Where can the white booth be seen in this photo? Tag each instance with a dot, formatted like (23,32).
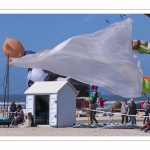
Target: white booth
(52,103)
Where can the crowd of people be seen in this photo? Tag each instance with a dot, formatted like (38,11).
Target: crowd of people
(18,117)
(129,110)
(14,109)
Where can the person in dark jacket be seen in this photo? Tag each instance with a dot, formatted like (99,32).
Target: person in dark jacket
(147,110)
(132,111)
(19,119)
(13,109)
(19,107)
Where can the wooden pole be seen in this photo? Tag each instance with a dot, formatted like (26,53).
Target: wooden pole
(87,99)
(88,116)
(5,85)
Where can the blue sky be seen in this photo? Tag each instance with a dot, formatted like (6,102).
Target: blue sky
(44,31)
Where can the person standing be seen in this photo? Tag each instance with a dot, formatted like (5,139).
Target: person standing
(110,115)
(86,104)
(124,111)
(93,98)
(101,103)
(132,111)
(13,108)
(147,110)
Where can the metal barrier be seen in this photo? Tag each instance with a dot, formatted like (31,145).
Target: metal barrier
(6,113)
(137,115)
(137,109)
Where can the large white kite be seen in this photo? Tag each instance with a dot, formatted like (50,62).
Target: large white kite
(102,58)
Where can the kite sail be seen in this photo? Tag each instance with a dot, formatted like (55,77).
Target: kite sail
(141,47)
(146,85)
(148,15)
(103,58)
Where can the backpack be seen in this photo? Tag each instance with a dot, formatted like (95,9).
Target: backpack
(92,96)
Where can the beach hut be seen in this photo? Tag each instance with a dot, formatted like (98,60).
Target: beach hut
(52,103)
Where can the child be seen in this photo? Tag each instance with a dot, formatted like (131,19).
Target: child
(101,103)
(28,121)
(110,115)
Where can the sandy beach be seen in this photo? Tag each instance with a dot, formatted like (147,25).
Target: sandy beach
(68,131)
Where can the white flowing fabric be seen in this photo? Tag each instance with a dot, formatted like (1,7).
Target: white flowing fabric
(103,58)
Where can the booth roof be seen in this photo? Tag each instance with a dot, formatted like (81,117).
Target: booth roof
(47,87)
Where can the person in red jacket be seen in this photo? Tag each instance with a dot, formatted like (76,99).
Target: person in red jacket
(86,105)
(101,103)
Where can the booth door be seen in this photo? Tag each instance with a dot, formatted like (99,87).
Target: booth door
(53,110)
(30,103)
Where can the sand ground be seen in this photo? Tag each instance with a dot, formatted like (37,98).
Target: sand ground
(68,131)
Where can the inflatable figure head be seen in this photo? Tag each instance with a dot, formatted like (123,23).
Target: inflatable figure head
(136,44)
(94,88)
(117,105)
(13,48)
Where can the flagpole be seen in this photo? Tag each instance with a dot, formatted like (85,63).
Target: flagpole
(5,85)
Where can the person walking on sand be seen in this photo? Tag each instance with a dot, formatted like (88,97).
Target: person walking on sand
(124,111)
(101,103)
(93,98)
